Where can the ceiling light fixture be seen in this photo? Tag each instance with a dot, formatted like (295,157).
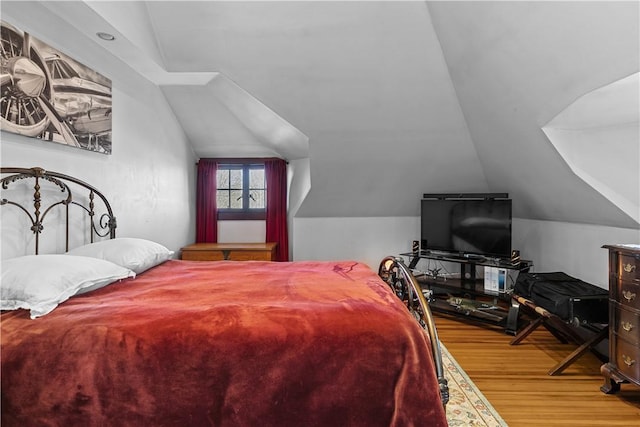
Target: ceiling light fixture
(106,36)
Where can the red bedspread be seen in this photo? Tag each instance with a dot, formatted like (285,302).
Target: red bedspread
(224,344)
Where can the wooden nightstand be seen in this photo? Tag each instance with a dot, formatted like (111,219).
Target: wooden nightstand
(230,251)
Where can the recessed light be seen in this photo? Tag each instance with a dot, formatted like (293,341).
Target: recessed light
(106,36)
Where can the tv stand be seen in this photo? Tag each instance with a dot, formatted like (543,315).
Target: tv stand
(463,295)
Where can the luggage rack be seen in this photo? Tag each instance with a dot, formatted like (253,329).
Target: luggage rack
(559,328)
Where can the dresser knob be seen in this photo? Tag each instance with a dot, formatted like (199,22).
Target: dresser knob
(627,360)
(626,326)
(629,268)
(628,295)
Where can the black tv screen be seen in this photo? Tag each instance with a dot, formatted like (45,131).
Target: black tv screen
(479,227)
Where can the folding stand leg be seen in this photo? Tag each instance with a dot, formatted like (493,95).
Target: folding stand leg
(588,345)
(527,330)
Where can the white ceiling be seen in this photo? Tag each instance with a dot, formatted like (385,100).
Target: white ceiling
(515,66)
(388,99)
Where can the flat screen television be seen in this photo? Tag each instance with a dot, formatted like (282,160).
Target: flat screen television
(480,227)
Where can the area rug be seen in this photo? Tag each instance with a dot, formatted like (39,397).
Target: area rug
(467,405)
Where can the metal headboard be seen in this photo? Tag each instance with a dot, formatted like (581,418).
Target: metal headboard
(104,226)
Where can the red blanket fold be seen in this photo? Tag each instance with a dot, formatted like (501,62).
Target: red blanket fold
(224,344)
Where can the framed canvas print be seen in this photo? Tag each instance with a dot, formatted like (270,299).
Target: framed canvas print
(46,94)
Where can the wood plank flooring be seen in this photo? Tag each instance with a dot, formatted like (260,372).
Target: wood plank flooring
(514,379)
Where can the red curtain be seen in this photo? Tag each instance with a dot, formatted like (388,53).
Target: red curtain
(276,219)
(206,221)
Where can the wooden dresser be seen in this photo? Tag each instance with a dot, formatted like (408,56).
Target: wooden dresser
(624,318)
(230,251)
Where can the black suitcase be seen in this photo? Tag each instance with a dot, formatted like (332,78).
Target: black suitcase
(569,298)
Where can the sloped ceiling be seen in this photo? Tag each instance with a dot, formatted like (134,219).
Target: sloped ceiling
(366,82)
(515,66)
(605,124)
(389,99)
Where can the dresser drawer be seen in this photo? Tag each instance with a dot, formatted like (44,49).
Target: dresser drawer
(250,256)
(628,294)
(627,324)
(629,267)
(230,255)
(627,359)
(230,252)
(202,255)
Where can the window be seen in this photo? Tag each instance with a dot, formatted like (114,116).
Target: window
(241,191)
(59,69)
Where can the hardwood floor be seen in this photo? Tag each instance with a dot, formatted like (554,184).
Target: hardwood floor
(514,379)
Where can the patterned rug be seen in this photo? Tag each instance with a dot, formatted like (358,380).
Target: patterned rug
(467,406)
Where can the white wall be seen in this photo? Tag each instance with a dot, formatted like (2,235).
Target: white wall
(150,177)
(552,246)
(366,240)
(575,249)
(241,231)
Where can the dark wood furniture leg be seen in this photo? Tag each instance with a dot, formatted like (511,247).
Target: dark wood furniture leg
(611,379)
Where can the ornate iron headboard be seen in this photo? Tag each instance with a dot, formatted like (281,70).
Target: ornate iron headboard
(104,226)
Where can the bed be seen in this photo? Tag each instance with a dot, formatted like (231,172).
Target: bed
(165,342)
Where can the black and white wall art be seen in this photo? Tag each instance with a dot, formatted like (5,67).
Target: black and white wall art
(46,94)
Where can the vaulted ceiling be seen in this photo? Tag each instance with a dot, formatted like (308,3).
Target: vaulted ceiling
(387,99)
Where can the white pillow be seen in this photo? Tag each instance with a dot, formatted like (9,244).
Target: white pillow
(40,282)
(135,254)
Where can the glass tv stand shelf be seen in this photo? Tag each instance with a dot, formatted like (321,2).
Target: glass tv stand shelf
(456,285)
